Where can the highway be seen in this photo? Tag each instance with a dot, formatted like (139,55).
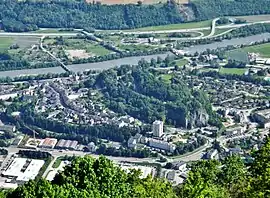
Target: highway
(213,28)
(229,26)
(35,34)
(196,30)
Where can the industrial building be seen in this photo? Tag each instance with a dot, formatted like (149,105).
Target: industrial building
(157,128)
(23,170)
(67,144)
(8,128)
(162,145)
(48,143)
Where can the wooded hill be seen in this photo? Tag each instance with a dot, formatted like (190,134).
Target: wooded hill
(30,15)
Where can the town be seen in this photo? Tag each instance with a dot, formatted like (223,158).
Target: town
(162,97)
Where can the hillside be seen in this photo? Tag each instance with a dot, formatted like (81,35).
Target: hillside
(208,9)
(23,16)
(142,94)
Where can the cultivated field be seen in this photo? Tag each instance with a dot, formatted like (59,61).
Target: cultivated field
(263,49)
(176,26)
(255,18)
(238,71)
(111,2)
(5,43)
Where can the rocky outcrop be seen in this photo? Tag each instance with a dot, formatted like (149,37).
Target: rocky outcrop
(199,118)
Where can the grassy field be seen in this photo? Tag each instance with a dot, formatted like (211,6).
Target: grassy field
(263,49)
(89,46)
(52,30)
(181,62)
(5,43)
(205,32)
(220,31)
(97,49)
(135,47)
(176,26)
(238,71)
(255,18)
(26,41)
(238,55)
(166,77)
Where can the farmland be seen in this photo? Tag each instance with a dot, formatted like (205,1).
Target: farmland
(200,24)
(263,49)
(238,71)
(255,18)
(5,43)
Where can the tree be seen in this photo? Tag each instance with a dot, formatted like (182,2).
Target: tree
(87,177)
(234,176)
(260,172)
(201,181)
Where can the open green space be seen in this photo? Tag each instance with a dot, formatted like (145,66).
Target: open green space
(5,43)
(97,49)
(238,71)
(220,31)
(90,46)
(262,49)
(52,30)
(255,18)
(138,47)
(205,32)
(238,55)
(166,77)
(207,69)
(181,62)
(176,26)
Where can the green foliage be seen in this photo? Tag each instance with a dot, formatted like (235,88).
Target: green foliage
(95,178)
(260,172)
(27,15)
(202,181)
(140,93)
(208,9)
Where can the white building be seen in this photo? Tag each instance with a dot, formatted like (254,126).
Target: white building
(162,145)
(235,130)
(92,147)
(23,169)
(158,128)
(132,143)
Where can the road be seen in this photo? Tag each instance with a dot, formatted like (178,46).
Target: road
(213,28)
(229,26)
(57,153)
(35,34)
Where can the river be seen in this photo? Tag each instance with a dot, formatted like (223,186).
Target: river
(82,67)
(135,59)
(235,41)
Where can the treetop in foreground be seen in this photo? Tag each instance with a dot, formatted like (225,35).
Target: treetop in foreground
(97,178)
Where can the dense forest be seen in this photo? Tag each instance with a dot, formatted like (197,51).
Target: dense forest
(140,93)
(29,15)
(209,9)
(100,178)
